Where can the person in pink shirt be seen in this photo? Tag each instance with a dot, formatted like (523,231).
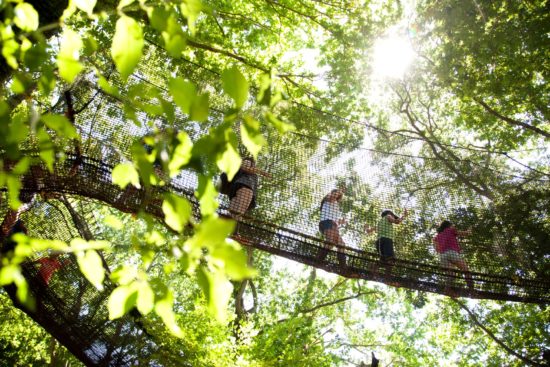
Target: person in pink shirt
(48,266)
(446,245)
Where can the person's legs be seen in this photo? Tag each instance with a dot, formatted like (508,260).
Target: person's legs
(459,262)
(385,249)
(330,230)
(333,235)
(241,201)
(387,256)
(452,259)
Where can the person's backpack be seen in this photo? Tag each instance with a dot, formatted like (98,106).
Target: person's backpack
(225,187)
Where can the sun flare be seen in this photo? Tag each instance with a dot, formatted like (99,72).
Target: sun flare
(392,56)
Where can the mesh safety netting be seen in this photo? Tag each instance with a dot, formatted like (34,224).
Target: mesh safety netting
(302,171)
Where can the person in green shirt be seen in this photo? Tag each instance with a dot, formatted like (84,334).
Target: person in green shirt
(384,228)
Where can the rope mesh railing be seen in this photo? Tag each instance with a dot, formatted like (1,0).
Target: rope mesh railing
(69,307)
(93,180)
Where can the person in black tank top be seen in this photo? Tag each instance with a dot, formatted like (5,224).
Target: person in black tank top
(244,186)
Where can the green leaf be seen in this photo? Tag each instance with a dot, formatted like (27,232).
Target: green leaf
(169,110)
(127,45)
(90,45)
(191,10)
(229,161)
(200,108)
(234,261)
(26,17)
(37,245)
(281,126)
(177,211)
(68,57)
(124,275)
(113,222)
(107,87)
(125,173)
(18,129)
(182,153)
(9,49)
(91,266)
(36,56)
(145,298)
(85,5)
(20,83)
(24,295)
(211,233)
(163,308)
(175,44)
(158,17)
(252,139)
(79,244)
(47,81)
(22,166)
(207,194)
(9,273)
(183,92)
(264,93)
(124,3)
(61,125)
(235,85)
(217,291)
(47,153)
(122,300)
(14,185)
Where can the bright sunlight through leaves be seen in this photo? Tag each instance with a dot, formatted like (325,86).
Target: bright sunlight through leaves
(392,57)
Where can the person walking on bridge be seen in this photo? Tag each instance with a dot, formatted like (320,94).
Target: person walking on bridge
(331,219)
(242,192)
(384,228)
(450,253)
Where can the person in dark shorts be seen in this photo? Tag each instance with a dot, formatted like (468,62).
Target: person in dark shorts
(242,193)
(330,220)
(384,243)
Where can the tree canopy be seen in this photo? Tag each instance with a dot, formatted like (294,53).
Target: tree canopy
(191,85)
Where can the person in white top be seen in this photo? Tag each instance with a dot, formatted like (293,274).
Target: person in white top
(331,219)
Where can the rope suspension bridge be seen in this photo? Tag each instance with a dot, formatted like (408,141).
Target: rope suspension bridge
(303,171)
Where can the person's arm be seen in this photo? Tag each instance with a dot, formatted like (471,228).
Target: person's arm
(369,229)
(400,219)
(248,168)
(464,233)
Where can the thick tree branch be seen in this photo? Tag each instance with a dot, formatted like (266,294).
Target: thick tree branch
(82,228)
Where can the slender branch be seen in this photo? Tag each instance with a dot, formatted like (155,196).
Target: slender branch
(226,53)
(327,304)
(432,144)
(491,335)
(228,15)
(304,15)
